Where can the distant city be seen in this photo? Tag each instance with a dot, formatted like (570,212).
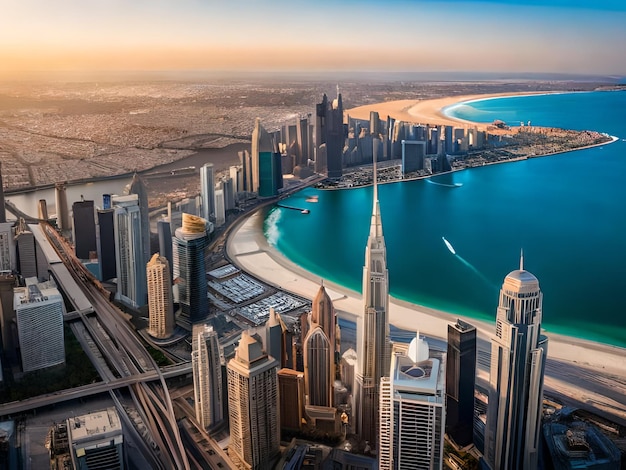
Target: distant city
(128,322)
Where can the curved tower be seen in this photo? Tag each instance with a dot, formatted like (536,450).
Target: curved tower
(189,244)
(374,348)
(518,359)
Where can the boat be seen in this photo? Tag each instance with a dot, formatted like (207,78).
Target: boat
(449,245)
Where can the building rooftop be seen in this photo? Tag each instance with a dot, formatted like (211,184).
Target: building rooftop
(93,425)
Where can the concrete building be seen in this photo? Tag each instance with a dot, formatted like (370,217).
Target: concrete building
(84,216)
(129,253)
(160,305)
(412,409)
(164,232)
(7,247)
(96,440)
(460,382)
(63,216)
(190,287)
(291,392)
(253,405)
(207,376)
(26,250)
(8,324)
(39,314)
(207,191)
(220,208)
(518,358)
(374,347)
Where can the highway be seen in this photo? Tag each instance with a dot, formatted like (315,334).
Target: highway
(122,354)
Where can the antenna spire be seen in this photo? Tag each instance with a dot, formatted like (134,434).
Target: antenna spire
(521,259)
(375,181)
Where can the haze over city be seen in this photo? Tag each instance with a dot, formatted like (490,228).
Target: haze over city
(496,36)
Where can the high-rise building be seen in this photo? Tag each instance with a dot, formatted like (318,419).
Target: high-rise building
(96,440)
(319,351)
(138,187)
(26,252)
(164,232)
(291,392)
(275,338)
(412,409)
(207,191)
(267,176)
(8,325)
(7,248)
(106,244)
(413,152)
(253,405)
(329,130)
(207,376)
(374,349)
(518,358)
(220,208)
(3,214)
(261,144)
(63,216)
(160,306)
(190,287)
(39,313)
(129,254)
(84,229)
(460,380)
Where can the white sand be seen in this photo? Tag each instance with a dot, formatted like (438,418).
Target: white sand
(587,372)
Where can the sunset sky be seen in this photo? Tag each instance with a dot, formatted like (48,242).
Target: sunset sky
(387,35)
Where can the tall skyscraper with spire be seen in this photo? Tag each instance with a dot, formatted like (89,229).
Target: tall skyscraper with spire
(518,358)
(374,348)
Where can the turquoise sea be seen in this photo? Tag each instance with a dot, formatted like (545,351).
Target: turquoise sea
(567,212)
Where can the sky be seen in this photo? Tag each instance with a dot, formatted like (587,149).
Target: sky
(532,36)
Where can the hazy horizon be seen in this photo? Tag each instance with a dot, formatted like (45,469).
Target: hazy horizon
(91,37)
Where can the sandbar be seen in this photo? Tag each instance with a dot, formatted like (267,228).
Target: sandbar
(582,371)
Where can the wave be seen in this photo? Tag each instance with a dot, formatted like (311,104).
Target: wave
(272,232)
(455,185)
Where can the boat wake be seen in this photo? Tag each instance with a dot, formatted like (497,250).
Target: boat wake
(455,185)
(271,229)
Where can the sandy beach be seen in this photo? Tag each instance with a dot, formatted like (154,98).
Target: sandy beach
(426,111)
(583,371)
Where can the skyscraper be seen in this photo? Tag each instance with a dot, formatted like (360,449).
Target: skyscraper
(267,176)
(164,232)
(160,305)
(412,409)
(84,228)
(518,358)
(106,244)
(207,376)
(319,351)
(63,217)
(374,350)
(7,248)
(207,191)
(329,131)
(189,243)
(253,405)
(460,380)
(26,252)
(138,187)
(261,144)
(131,270)
(39,314)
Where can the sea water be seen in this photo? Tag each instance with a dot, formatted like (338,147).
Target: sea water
(567,212)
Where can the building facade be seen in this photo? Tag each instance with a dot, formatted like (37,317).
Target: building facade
(96,440)
(39,314)
(412,409)
(189,244)
(129,253)
(518,358)
(160,305)
(84,229)
(253,405)
(207,376)
(207,191)
(460,381)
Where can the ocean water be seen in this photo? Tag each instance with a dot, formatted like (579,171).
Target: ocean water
(567,212)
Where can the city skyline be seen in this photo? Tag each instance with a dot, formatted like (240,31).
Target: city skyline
(496,35)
